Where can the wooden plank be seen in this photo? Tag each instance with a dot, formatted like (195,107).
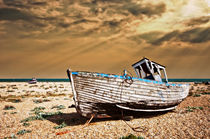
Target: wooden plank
(91,89)
(123,89)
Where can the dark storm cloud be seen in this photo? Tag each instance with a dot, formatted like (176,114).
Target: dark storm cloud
(15,3)
(166,37)
(101,6)
(107,12)
(195,35)
(23,3)
(112,23)
(150,37)
(77,21)
(83,21)
(63,25)
(125,7)
(198,21)
(12,14)
(114,1)
(38,3)
(105,1)
(149,9)
(103,29)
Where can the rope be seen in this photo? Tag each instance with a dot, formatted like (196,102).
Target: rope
(136,129)
(68,131)
(128,77)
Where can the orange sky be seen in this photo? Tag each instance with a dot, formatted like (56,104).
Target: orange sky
(42,38)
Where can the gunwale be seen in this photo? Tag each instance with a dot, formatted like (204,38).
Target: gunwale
(123,77)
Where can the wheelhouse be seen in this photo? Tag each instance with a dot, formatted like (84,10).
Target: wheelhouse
(147,69)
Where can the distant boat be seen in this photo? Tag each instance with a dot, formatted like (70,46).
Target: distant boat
(105,95)
(33,81)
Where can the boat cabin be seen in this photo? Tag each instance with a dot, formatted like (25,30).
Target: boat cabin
(147,69)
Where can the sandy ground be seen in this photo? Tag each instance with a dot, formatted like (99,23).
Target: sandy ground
(18,100)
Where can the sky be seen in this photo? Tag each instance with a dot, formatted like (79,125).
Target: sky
(42,38)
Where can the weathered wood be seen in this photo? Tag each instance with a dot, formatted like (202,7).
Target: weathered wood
(99,95)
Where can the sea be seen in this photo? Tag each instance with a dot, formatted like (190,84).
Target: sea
(67,80)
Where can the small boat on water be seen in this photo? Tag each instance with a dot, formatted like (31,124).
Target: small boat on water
(106,95)
(33,81)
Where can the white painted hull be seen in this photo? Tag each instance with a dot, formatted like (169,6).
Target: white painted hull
(101,94)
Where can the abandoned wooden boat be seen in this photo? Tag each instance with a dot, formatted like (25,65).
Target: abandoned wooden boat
(105,95)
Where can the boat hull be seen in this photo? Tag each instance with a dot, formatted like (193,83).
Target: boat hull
(104,95)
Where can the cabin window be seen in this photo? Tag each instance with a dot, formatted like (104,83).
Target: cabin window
(162,73)
(145,69)
(154,68)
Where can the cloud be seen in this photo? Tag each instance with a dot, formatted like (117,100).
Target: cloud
(79,18)
(198,21)
(77,22)
(24,3)
(166,37)
(148,10)
(112,23)
(149,37)
(195,35)
(114,1)
(15,3)
(38,3)
(120,6)
(12,14)
(97,2)
(83,21)
(112,16)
